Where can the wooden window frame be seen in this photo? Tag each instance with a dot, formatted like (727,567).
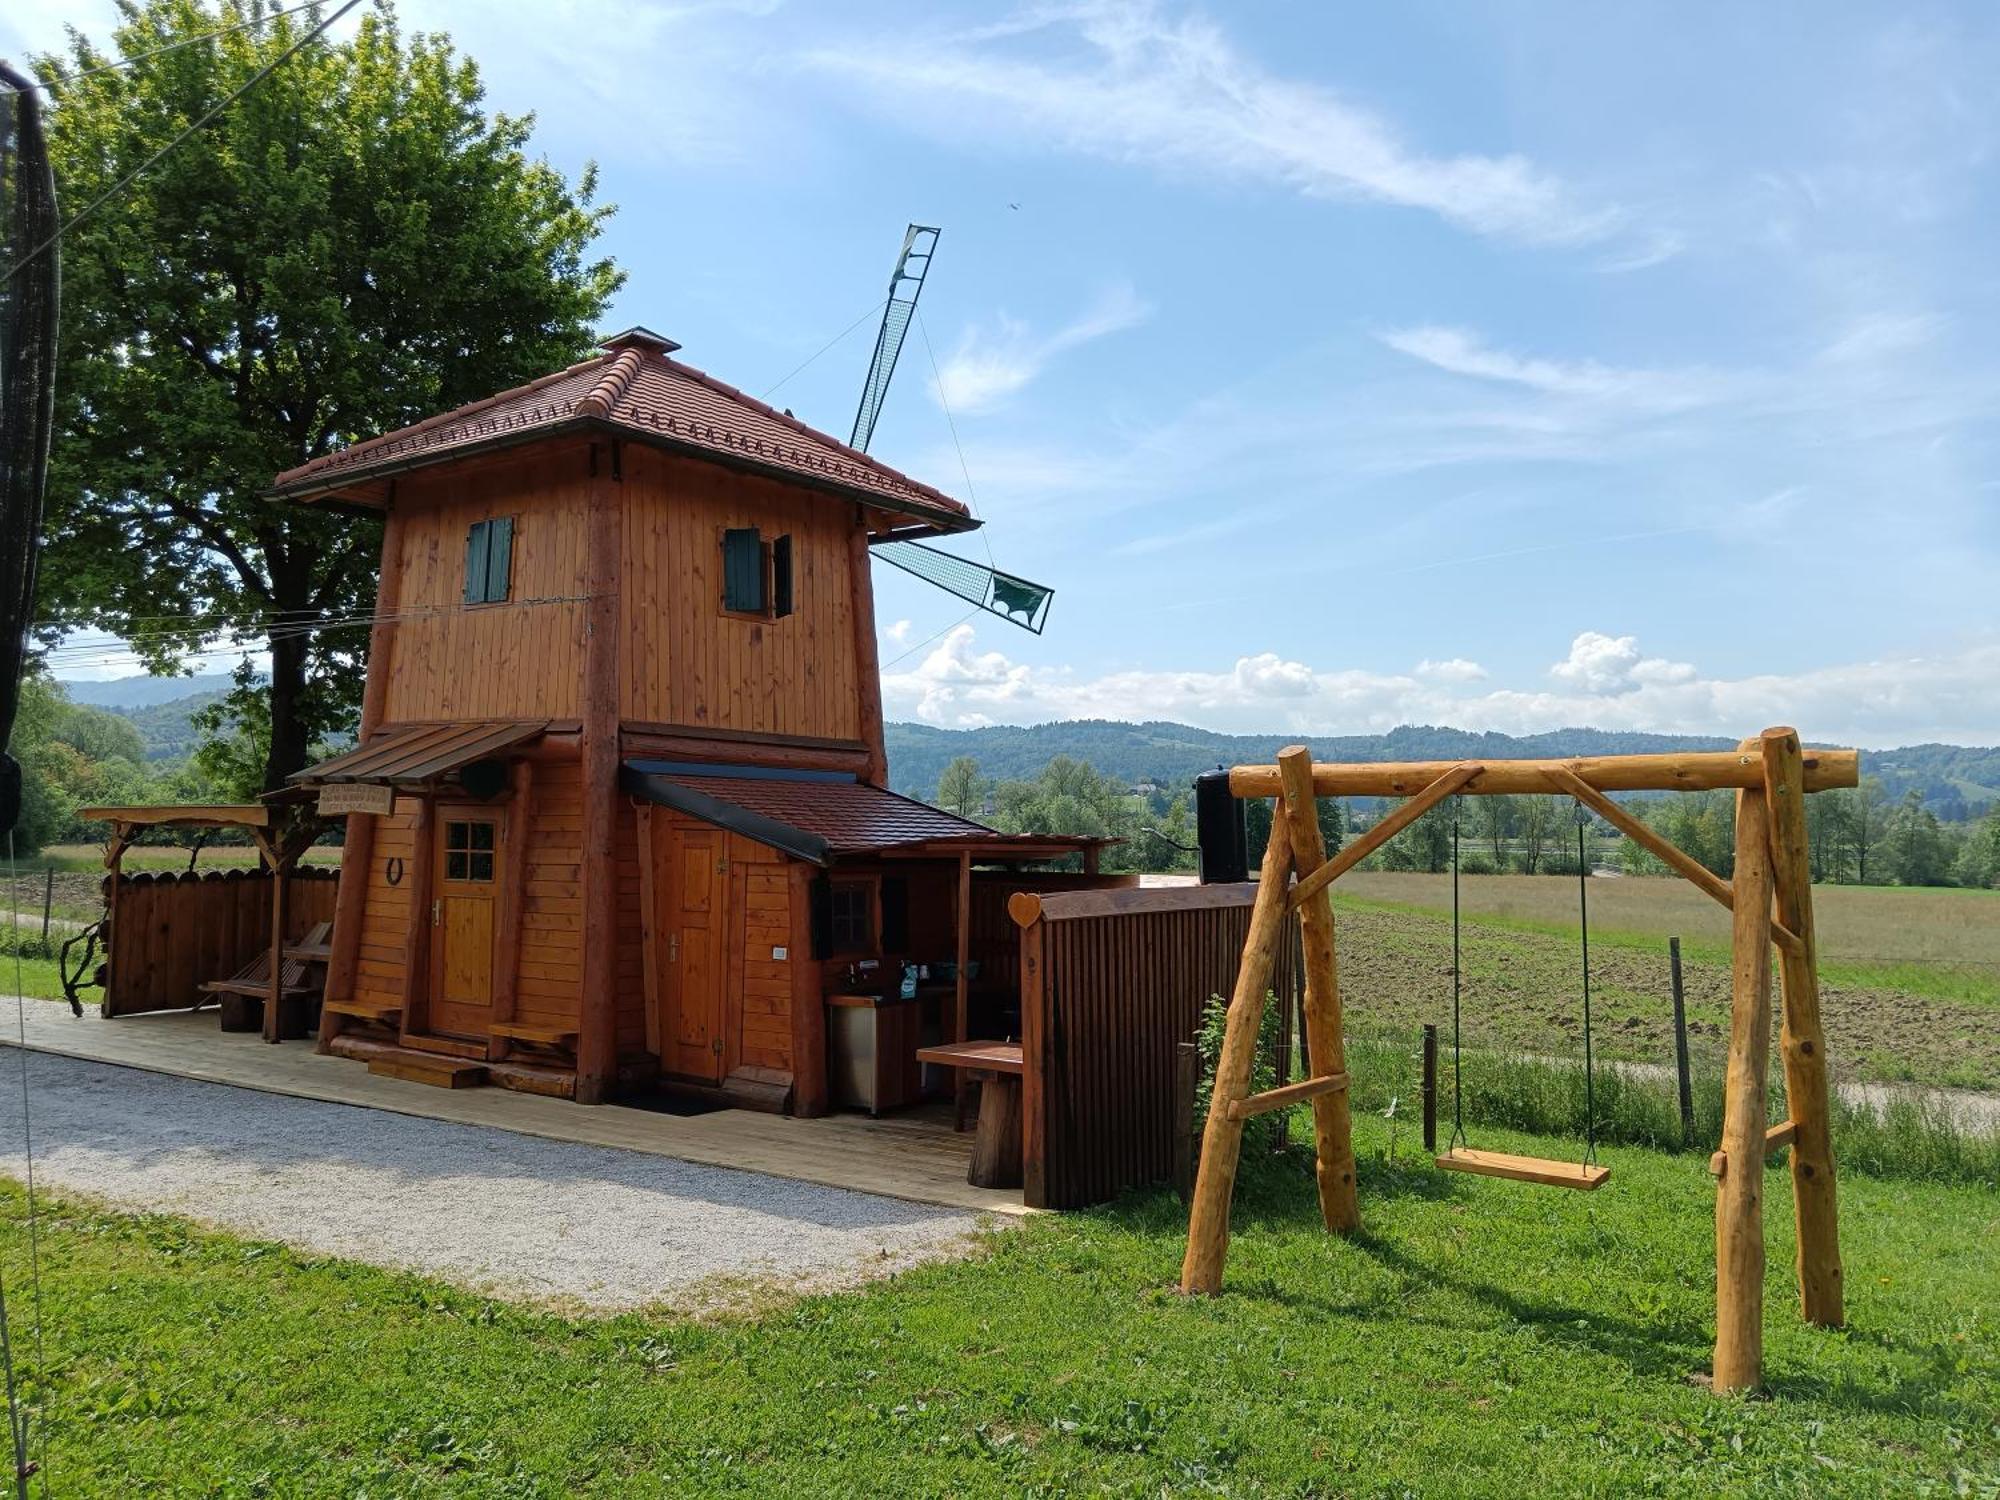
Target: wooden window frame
(480,535)
(777,576)
(872,887)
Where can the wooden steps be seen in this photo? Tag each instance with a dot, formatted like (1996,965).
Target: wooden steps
(541,1036)
(1563,1174)
(428,1067)
(363,1010)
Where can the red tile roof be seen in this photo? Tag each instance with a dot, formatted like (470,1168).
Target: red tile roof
(637,390)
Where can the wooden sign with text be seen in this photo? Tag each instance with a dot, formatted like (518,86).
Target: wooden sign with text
(356,797)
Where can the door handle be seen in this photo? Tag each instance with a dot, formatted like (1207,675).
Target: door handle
(436,908)
(673,947)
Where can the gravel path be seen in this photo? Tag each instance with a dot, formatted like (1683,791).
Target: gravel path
(489,1209)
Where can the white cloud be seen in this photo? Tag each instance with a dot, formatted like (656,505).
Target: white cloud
(897,634)
(1456,669)
(1126,81)
(1604,682)
(1458,351)
(991,364)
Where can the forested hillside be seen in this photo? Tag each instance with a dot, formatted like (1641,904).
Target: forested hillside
(1958,782)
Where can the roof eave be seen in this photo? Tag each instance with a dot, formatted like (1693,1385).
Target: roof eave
(347,488)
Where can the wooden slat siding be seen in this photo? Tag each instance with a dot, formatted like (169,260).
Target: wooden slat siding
(549,988)
(378,968)
(174,930)
(629,972)
(495,661)
(686,662)
(1115,994)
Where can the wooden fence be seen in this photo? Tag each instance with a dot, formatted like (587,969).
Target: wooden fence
(1111,983)
(170,931)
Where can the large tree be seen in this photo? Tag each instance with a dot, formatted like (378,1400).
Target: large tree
(353,245)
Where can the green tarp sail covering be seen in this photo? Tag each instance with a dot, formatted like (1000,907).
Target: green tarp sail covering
(1013,599)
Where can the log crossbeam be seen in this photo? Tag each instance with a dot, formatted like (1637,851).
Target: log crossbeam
(1352,854)
(1666,852)
(1286,1097)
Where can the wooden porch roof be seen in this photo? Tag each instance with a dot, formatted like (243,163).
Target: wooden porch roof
(420,754)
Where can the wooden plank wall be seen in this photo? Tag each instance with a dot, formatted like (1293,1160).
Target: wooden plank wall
(996,941)
(385,922)
(630,968)
(497,661)
(1122,992)
(551,974)
(684,661)
(176,929)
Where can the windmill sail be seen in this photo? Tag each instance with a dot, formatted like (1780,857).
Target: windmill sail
(1012,598)
(906,284)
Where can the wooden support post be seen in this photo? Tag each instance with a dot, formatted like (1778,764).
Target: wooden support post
(1222,1138)
(867,659)
(1802,1042)
(1683,1074)
(597,1017)
(1037,1055)
(1430,1088)
(274,996)
(1739,1200)
(1312,883)
(513,904)
(809,1087)
(1332,1128)
(357,852)
(960,998)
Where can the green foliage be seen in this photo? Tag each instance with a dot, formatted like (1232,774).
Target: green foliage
(1263,1133)
(355,245)
(74,756)
(1071,797)
(961,789)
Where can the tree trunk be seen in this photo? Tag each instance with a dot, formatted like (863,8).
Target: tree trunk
(290,738)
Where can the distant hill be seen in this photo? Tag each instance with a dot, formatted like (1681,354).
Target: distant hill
(168,728)
(1958,781)
(123,694)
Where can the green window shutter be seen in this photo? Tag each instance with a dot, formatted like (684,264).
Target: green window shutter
(499,558)
(781,577)
(743,570)
(475,563)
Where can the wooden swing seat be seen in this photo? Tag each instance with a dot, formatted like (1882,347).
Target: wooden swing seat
(1584,1176)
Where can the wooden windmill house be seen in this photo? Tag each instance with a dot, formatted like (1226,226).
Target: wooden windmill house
(619,810)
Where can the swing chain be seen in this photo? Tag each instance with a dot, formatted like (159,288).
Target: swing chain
(1457,1091)
(1589,1060)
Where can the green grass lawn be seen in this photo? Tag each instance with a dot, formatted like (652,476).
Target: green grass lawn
(1481,1338)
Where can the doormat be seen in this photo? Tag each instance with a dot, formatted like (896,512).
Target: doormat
(677,1104)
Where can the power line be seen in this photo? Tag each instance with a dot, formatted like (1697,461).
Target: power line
(139,57)
(158,156)
(772,390)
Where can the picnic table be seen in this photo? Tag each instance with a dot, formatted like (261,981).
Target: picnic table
(996,1140)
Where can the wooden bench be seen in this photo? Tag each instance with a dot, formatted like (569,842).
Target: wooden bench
(241,997)
(540,1036)
(996,1142)
(385,1011)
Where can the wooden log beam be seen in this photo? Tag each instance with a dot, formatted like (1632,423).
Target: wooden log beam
(1450,780)
(1739,1199)
(1801,1040)
(1326,1045)
(1290,1094)
(513,906)
(1693,771)
(1222,1137)
(809,1082)
(1666,851)
(867,659)
(597,1017)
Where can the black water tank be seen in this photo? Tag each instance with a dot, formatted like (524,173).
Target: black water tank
(1218,822)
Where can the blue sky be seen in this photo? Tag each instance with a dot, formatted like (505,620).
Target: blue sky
(1512,366)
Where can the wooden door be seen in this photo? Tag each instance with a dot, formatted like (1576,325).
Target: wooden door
(465,892)
(696,969)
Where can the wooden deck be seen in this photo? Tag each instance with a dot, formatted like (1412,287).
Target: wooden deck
(917,1158)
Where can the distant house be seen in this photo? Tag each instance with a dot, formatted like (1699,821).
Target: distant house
(622,742)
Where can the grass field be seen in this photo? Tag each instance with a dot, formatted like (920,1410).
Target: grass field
(1480,1339)
(1934,1018)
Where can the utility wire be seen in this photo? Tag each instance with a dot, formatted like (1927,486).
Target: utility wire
(158,156)
(139,57)
(972,498)
(770,391)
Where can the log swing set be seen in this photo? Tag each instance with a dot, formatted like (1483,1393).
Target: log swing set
(1769,897)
